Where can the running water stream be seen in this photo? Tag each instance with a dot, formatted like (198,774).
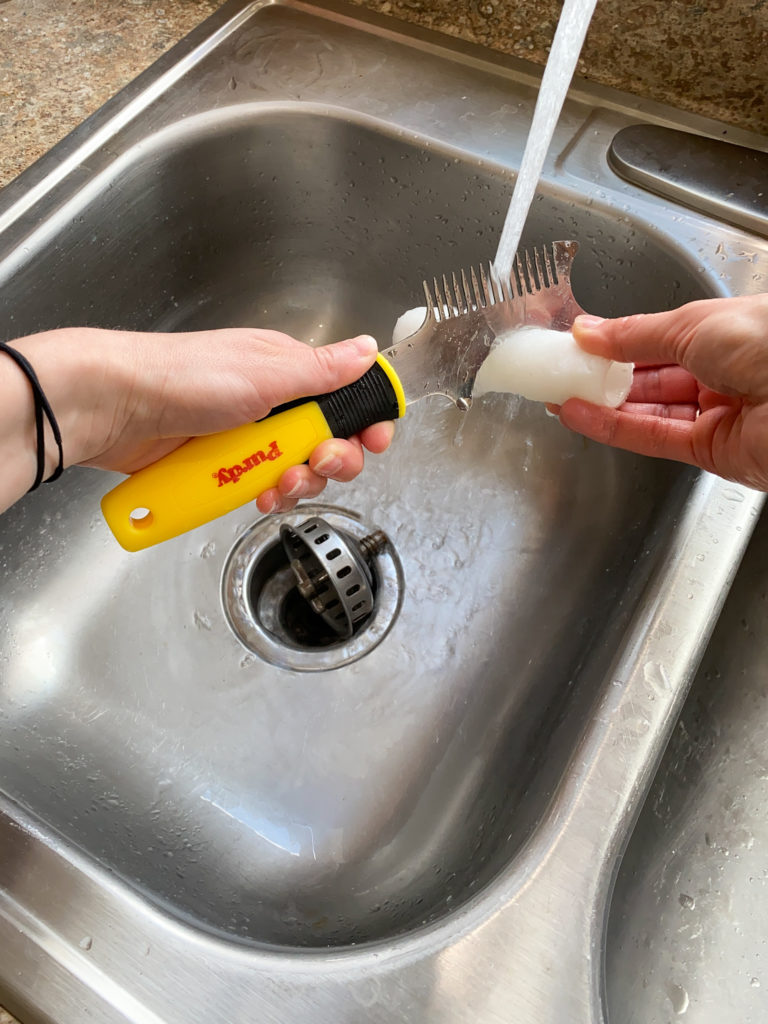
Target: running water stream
(537,363)
(566,47)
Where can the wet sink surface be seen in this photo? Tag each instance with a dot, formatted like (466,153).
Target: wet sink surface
(687,925)
(353,805)
(199,772)
(168,779)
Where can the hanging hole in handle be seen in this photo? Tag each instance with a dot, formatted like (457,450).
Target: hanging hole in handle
(141,518)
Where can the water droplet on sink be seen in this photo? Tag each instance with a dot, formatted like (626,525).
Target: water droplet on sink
(656,675)
(202,621)
(689,902)
(86,943)
(731,494)
(679,999)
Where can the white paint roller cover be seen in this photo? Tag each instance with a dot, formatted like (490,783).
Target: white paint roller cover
(540,364)
(549,366)
(409,323)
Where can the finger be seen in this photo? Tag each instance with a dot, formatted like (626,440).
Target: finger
(338,459)
(269,501)
(661,437)
(330,367)
(656,338)
(296,483)
(675,411)
(303,370)
(279,504)
(663,384)
(300,482)
(378,437)
(709,399)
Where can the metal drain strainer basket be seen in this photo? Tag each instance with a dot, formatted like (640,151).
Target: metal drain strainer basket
(332,571)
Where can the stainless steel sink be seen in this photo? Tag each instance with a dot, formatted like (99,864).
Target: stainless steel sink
(686,931)
(426,830)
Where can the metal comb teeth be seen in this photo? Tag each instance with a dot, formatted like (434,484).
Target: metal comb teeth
(450,297)
(463,293)
(535,269)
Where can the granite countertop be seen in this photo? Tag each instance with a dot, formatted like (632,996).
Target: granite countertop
(705,57)
(59,62)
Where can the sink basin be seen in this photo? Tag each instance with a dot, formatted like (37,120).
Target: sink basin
(687,923)
(426,829)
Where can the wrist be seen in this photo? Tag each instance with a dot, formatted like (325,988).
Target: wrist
(18,429)
(84,382)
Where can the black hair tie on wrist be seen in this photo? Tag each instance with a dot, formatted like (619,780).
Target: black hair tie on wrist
(42,408)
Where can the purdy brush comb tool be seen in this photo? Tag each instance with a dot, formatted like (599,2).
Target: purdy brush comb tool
(477,334)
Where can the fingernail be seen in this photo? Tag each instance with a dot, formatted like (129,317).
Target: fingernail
(271,507)
(328,466)
(587,321)
(365,345)
(297,490)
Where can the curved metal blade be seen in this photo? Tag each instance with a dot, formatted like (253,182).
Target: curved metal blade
(466,311)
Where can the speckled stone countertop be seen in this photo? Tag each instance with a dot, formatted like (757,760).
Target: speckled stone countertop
(62,59)
(705,56)
(59,61)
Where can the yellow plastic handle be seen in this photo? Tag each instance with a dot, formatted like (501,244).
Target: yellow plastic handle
(211,475)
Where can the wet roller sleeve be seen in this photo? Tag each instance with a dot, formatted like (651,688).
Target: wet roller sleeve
(214,474)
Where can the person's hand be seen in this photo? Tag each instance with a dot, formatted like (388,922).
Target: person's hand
(124,400)
(700,389)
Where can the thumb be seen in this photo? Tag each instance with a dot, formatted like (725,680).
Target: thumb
(721,342)
(314,371)
(656,338)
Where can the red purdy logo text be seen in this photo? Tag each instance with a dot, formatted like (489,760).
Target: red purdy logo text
(231,474)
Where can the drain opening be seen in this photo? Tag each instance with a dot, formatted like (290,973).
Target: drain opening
(307,627)
(312,593)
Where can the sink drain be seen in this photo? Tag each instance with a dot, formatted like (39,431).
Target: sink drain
(333,571)
(280,620)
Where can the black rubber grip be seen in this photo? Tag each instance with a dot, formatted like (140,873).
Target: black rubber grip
(356,406)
